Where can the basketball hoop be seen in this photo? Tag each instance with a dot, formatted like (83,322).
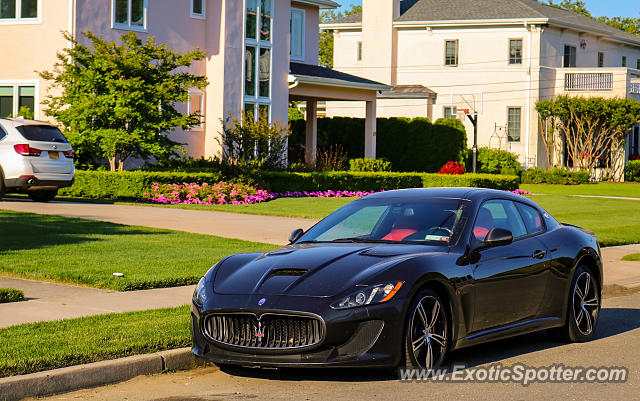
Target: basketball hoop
(462,113)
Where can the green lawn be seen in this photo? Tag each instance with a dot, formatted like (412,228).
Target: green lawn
(631,190)
(89,252)
(634,257)
(36,347)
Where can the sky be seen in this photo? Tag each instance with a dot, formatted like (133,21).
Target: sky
(610,8)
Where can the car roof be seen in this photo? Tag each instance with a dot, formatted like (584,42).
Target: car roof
(472,194)
(18,122)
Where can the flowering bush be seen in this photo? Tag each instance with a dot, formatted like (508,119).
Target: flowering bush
(235,194)
(634,157)
(205,194)
(452,168)
(520,192)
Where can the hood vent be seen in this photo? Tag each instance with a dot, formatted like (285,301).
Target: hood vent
(288,272)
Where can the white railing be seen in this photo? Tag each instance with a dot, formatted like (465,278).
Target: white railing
(635,88)
(590,81)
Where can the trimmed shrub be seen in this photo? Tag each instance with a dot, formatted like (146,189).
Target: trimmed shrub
(555,176)
(452,168)
(494,161)
(128,184)
(369,165)
(632,171)
(277,181)
(10,295)
(410,145)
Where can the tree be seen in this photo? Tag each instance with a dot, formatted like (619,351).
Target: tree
(626,24)
(119,100)
(326,37)
(593,130)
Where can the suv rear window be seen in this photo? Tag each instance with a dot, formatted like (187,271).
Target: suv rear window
(41,133)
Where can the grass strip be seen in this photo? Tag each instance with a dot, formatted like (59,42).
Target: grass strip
(10,295)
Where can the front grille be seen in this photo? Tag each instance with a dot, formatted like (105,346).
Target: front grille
(270,331)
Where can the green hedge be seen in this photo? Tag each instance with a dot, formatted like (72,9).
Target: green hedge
(355,181)
(128,184)
(410,145)
(369,165)
(632,171)
(555,176)
(10,295)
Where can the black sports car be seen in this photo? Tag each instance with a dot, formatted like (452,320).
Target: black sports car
(398,279)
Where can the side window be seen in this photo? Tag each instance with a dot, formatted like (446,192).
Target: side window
(3,133)
(498,213)
(532,218)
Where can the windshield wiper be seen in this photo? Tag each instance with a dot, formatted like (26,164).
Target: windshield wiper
(365,240)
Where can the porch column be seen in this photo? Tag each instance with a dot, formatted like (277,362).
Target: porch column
(370,130)
(311,143)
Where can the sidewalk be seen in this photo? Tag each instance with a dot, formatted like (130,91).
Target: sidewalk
(266,229)
(51,301)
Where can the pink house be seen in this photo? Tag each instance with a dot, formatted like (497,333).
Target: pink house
(260,55)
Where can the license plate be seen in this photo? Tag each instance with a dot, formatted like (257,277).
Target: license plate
(54,155)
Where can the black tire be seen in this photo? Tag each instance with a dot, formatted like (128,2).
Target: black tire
(44,195)
(583,308)
(434,332)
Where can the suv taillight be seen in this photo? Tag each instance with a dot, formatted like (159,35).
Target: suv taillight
(26,150)
(68,153)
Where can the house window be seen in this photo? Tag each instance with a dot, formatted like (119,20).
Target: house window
(297,34)
(15,97)
(12,11)
(450,112)
(514,123)
(515,51)
(130,14)
(198,8)
(624,61)
(196,104)
(569,56)
(600,60)
(360,51)
(451,53)
(257,57)
(638,64)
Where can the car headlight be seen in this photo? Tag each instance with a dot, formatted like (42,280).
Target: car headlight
(200,295)
(373,294)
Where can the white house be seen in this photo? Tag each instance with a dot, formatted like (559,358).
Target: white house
(494,57)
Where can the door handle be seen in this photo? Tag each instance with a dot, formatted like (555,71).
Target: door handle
(539,254)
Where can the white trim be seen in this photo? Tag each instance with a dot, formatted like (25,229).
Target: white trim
(18,20)
(16,83)
(302,34)
(128,26)
(306,79)
(195,15)
(195,91)
(319,3)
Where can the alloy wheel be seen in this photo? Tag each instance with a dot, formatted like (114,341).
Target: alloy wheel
(428,332)
(586,303)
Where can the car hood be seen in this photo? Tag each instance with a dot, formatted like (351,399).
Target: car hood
(311,269)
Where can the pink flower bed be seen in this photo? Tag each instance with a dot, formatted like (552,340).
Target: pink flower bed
(520,192)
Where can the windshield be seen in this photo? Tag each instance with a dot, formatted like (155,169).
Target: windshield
(435,221)
(41,133)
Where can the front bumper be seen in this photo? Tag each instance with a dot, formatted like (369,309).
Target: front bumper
(361,337)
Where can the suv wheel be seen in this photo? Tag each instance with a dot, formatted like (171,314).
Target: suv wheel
(43,195)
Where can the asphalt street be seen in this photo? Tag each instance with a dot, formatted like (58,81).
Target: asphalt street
(617,343)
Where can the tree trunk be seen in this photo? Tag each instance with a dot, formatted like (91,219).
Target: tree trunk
(112,163)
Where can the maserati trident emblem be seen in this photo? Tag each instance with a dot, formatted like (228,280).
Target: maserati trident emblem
(260,330)
(262,301)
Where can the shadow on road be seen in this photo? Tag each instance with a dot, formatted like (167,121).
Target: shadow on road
(612,322)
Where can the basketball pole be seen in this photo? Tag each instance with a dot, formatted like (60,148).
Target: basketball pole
(474,121)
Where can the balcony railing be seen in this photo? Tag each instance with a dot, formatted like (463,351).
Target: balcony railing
(596,81)
(635,88)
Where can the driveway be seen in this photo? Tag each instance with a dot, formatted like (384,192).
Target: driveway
(617,343)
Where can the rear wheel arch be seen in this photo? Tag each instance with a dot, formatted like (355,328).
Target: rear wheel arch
(589,260)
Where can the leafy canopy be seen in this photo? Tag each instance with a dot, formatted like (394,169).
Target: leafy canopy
(117,101)
(626,24)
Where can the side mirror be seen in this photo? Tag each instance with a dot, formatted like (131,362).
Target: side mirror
(498,237)
(295,235)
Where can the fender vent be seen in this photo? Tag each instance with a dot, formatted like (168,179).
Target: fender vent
(288,272)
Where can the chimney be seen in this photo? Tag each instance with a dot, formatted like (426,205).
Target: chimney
(379,40)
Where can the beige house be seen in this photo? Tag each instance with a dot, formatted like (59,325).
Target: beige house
(260,54)
(492,57)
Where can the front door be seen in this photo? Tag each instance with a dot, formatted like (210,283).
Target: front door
(509,281)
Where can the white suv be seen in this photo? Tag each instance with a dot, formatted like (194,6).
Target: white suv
(34,158)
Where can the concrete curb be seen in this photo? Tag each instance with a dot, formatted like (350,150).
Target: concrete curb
(95,374)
